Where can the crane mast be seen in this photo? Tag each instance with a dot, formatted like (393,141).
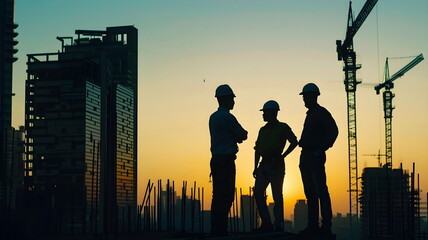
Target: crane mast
(346,53)
(387,103)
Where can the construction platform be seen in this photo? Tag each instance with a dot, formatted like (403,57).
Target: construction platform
(244,236)
(190,236)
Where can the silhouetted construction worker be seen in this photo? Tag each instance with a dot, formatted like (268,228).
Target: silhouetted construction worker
(225,133)
(270,144)
(319,133)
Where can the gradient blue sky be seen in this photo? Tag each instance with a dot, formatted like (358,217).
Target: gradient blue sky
(265,50)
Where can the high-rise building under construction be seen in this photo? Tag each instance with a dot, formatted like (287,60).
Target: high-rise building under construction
(9,161)
(7,58)
(81,122)
(389,204)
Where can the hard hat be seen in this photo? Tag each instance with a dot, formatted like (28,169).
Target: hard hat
(224,90)
(310,87)
(271,104)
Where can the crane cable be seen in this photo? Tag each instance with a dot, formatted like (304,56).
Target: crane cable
(379,76)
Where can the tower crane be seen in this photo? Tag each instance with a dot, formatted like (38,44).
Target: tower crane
(388,84)
(345,53)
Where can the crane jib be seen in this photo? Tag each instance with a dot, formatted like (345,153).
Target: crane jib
(364,13)
(400,72)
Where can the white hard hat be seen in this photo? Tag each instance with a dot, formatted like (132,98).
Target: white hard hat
(271,104)
(224,90)
(310,87)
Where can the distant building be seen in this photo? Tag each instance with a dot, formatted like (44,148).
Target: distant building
(188,215)
(424,214)
(389,204)
(300,215)
(14,173)
(206,221)
(81,121)
(288,225)
(11,211)
(270,207)
(16,169)
(249,216)
(341,226)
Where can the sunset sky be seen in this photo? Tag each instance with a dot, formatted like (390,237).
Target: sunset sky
(264,49)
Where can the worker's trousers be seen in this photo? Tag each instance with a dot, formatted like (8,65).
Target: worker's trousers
(223,174)
(270,173)
(314,180)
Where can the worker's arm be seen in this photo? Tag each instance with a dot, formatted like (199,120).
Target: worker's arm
(239,132)
(256,162)
(242,135)
(329,131)
(291,147)
(291,137)
(257,156)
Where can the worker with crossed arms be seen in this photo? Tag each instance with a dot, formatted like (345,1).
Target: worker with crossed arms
(319,134)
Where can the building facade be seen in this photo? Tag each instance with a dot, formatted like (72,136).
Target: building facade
(7,51)
(81,120)
(7,58)
(11,213)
